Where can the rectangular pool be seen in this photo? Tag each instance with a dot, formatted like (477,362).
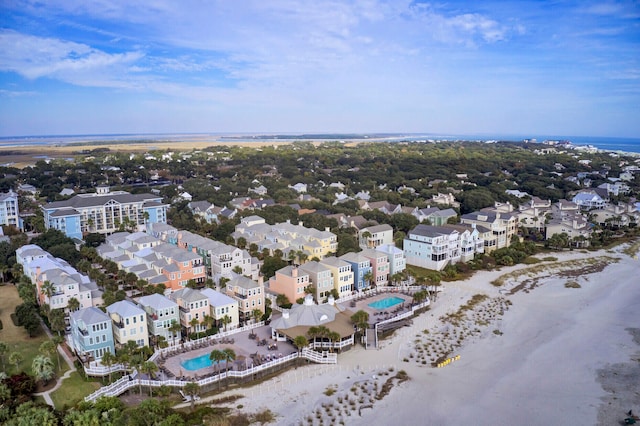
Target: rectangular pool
(386,303)
(197,363)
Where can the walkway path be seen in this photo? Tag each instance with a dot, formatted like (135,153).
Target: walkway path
(66,375)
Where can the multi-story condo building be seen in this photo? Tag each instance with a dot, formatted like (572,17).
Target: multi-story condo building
(249,294)
(361,267)
(434,247)
(342,275)
(286,237)
(153,260)
(379,266)
(503,225)
(320,278)
(161,312)
(193,307)
(129,322)
(397,259)
(91,333)
(224,309)
(219,259)
(9,212)
(104,212)
(291,282)
(375,236)
(56,281)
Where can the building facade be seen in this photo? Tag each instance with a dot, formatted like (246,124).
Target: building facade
(104,212)
(91,333)
(129,323)
(161,312)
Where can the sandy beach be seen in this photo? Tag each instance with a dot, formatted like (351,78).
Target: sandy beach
(552,354)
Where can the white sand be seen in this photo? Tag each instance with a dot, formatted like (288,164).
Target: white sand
(541,371)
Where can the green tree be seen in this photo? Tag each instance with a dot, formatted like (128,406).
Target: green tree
(16,358)
(73,304)
(4,349)
(229,355)
(216,356)
(108,360)
(42,368)
(48,290)
(192,389)
(49,348)
(149,368)
(29,413)
(300,342)
(361,321)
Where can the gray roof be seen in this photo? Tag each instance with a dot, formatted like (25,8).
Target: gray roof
(157,301)
(431,231)
(216,298)
(124,308)
(188,295)
(91,315)
(100,200)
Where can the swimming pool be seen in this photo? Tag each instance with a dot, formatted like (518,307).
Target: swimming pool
(197,363)
(386,303)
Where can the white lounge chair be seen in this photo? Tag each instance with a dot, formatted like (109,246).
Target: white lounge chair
(187,398)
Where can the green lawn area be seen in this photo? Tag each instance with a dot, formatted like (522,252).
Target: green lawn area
(17,338)
(73,390)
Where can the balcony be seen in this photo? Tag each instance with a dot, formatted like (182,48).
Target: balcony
(119,324)
(185,310)
(83,332)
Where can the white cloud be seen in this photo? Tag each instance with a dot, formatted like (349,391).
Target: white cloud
(35,57)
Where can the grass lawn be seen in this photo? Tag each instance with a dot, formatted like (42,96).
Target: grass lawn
(73,390)
(17,338)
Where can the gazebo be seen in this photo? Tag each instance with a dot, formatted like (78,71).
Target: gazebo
(298,320)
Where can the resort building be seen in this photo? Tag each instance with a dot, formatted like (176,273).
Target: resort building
(291,282)
(434,247)
(91,334)
(56,281)
(320,279)
(361,267)
(224,309)
(104,212)
(591,199)
(129,323)
(397,259)
(162,313)
(379,266)
(193,308)
(9,211)
(286,237)
(249,294)
(153,260)
(374,236)
(503,226)
(220,260)
(300,319)
(342,275)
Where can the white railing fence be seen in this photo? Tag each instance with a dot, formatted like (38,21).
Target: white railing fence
(125,383)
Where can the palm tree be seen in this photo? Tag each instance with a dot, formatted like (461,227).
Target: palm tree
(216,356)
(225,321)
(333,337)
(208,321)
(174,328)
(57,341)
(361,320)
(192,389)
(368,277)
(108,359)
(149,368)
(42,368)
(48,289)
(365,236)
(48,348)
(73,304)
(300,342)
(16,358)
(229,355)
(193,323)
(256,314)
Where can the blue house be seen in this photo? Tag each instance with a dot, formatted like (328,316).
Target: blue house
(360,266)
(91,333)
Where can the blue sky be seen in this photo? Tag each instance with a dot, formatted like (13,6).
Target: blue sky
(451,67)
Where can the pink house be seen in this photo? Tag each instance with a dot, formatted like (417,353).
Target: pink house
(290,281)
(379,265)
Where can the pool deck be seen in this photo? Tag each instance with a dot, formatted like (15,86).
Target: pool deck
(376,315)
(243,347)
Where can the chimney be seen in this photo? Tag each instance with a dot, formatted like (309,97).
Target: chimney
(285,313)
(326,228)
(294,272)
(260,280)
(331,301)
